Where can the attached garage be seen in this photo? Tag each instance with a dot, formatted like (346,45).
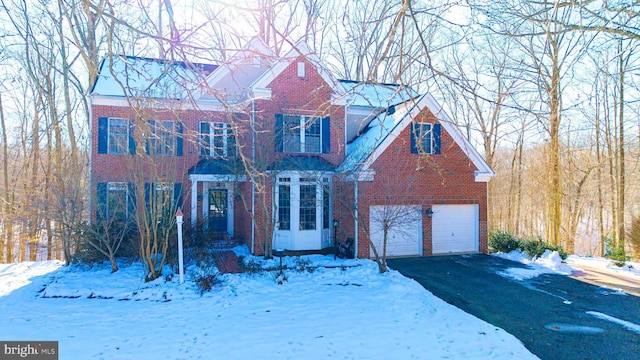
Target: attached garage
(405,235)
(455,228)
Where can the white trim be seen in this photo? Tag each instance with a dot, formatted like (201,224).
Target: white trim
(255,46)
(261,94)
(301,49)
(459,138)
(484,172)
(162,104)
(362,175)
(483,176)
(216,178)
(194,202)
(206,186)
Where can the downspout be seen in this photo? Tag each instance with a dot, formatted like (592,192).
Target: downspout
(355,197)
(253,186)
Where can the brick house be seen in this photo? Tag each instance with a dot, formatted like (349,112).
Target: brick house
(275,151)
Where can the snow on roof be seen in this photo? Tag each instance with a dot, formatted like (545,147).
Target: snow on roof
(150,78)
(377,95)
(376,132)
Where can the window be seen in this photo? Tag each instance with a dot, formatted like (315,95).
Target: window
(160,201)
(162,140)
(307,207)
(424,133)
(217,140)
(118,136)
(425,138)
(115,136)
(302,134)
(117,200)
(284,207)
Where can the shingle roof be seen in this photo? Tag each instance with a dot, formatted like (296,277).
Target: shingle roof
(149,78)
(302,163)
(217,167)
(377,95)
(376,132)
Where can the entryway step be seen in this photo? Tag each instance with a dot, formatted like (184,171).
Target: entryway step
(227,262)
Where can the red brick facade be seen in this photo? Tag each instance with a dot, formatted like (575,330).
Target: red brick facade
(400,177)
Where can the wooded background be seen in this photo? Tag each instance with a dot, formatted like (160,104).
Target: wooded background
(547,90)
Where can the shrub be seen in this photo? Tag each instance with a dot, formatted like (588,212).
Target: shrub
(619,256)
(304,265)
(536,246)
(206,277)
(251,266)
(503,241)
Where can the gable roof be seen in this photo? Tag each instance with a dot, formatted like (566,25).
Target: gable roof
(232,79)
(299,49)
(376,95)
(386,127)
(132,76)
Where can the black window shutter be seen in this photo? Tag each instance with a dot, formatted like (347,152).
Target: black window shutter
(103,135)
(148,196)
(132,140)
(132,200)
(278,132)
(101,205)
(151,124)
(326,135)
(436,139)
(177,195)
(179,139)
(414,132)
(204,138)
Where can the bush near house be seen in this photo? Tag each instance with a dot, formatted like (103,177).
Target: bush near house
(535,246)
(503,241)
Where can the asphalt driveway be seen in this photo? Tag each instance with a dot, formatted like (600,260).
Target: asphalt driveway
(553,315)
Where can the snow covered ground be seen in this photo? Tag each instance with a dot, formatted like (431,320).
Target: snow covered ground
(549,263)
(630,268)
(345,312)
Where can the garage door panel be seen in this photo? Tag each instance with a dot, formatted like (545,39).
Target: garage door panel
(402,240)
(455,229)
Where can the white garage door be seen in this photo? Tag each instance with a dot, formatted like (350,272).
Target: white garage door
(455,228)
(405,232)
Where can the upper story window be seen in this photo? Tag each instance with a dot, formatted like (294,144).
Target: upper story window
(217,139)
(302,134)
(425,138)
(163,138)
(118,136)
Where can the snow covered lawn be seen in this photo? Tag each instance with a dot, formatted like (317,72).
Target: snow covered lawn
(344,312)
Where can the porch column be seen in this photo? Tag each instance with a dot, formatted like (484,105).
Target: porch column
(194,202)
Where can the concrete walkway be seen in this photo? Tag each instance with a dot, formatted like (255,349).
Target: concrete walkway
(607,278)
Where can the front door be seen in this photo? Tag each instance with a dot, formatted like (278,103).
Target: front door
(218,210)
